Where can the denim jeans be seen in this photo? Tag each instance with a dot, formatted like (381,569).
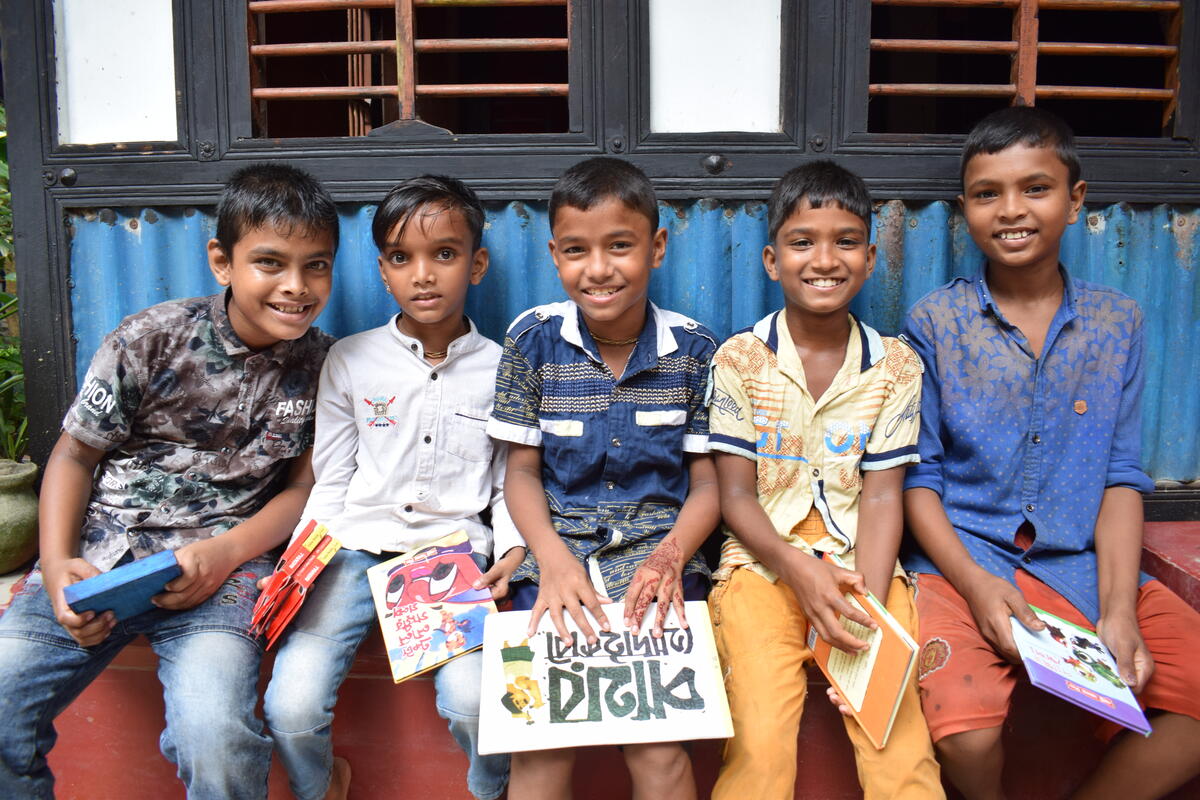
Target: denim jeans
(313,660)
(208,667)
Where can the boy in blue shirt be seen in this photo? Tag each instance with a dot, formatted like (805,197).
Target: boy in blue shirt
(191,433)
(601,399)
(1029,486)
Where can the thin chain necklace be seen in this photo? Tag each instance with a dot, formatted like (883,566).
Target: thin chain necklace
(438,354)
(612,342)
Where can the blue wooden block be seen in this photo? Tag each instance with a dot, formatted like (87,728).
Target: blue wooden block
(125,590)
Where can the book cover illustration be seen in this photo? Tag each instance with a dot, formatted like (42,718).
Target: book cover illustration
(872,682)
(289,585)
(125,590)
(629,687)
(1071,662)
(427,610)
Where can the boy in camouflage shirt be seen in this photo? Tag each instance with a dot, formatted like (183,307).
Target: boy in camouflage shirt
(191,433)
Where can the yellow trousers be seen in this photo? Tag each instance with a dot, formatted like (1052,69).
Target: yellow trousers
(760,632)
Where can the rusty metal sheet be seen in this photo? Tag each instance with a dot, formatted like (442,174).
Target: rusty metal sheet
(123,260)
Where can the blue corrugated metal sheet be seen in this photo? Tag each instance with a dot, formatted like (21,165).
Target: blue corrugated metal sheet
(124,260)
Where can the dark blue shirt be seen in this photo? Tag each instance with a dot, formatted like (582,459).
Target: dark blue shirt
(612,448)
(1008,438)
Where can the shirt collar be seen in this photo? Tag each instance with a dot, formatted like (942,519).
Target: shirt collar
(656,329)
(219,314)
(988,304)
(467,342)
(768,329)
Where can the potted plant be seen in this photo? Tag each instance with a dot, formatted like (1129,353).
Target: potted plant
(18,503)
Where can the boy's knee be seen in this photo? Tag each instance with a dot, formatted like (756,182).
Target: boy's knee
(295,709)
(969,746)
(666,761)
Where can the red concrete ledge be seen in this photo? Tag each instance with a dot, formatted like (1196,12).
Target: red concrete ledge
(398,746)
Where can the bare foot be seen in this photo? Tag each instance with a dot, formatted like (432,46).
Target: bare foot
(339,780)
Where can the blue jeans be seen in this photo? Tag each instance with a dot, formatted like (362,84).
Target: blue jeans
(316,653)
(208,667)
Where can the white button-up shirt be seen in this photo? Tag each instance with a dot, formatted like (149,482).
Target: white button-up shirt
(402,456)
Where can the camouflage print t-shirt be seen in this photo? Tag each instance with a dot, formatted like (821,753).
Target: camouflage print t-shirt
(198,428)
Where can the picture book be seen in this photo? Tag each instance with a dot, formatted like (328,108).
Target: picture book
(871,682)
(629,687)
(427,609)
(290,583)
(125,590)
(1072,662)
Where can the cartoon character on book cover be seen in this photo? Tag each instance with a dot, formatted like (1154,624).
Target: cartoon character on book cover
(428,610)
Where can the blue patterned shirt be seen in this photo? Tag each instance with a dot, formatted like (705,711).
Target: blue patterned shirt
(612,449)
(1008,438)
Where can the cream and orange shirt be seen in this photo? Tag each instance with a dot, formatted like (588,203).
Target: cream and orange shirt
(811,454)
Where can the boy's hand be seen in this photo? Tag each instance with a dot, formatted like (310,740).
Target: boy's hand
(993,601)
(87,628)
(838,702)
(820,588)
(1121,635)
(564,585)
(658,578)
(205,566)
(498,576)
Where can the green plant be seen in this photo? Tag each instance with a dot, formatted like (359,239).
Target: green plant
(14,426)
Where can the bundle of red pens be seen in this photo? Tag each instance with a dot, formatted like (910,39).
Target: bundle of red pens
(289,584)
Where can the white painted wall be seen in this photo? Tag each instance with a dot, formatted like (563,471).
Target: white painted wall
(115,71)
(714,65)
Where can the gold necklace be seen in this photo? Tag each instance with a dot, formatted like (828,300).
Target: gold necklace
(438,354)
(612,342)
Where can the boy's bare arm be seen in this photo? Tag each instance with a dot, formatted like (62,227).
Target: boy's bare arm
(66,489)
(819,586)
(563,583)
(1118,554)
(880,527)
(661,576)
(992,600)
(206,564)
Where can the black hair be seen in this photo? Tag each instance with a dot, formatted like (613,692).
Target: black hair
(821,183)
(278,195)
(439,191)
(1027,125)
(510,702)
(602,178)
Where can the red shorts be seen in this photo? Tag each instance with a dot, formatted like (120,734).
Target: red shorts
(955,655)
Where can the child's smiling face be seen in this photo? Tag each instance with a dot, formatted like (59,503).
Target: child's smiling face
(821,257)
(281,280)
(428,265)
(1017,203)
(604,257)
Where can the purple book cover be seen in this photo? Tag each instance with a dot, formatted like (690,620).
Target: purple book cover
(1074,664)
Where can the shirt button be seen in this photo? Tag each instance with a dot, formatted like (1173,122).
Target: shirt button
(1027,560)
(616,442)
(610,485)
(414,347)
(408,509)
(428,439)
(433,376)
(224,449)
(241,406)
(1037,439)
(164,509)
(1029,507)
(816,473)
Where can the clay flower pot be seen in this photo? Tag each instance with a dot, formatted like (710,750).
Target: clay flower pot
(18,513)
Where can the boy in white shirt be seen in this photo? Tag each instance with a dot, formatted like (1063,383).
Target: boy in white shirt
(402,458)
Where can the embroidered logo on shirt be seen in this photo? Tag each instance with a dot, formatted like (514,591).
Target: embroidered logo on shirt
(934,655)
(381,407)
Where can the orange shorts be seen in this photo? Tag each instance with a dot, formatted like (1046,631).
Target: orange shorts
(955,655)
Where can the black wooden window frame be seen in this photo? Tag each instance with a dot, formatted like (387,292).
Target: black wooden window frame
(823,106)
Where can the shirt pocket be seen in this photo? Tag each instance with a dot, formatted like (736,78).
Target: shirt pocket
(466,435)
(660,434)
